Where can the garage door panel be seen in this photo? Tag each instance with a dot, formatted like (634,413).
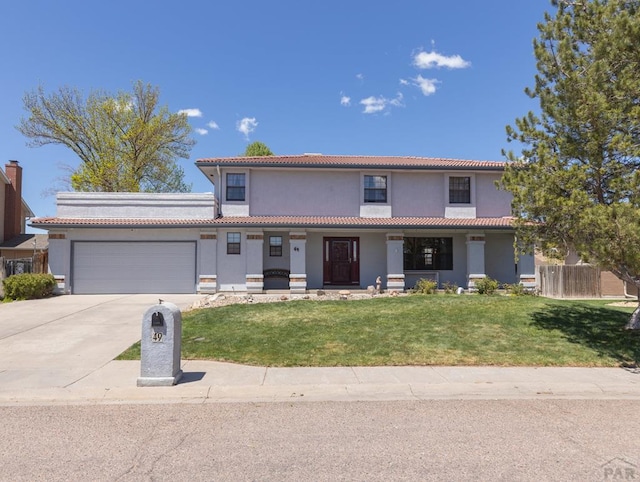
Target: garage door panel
(134,267)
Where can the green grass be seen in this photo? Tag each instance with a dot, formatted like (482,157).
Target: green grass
(413,330)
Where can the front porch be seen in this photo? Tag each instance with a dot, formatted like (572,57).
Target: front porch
(299,261)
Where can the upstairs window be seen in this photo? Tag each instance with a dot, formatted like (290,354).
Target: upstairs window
(235,187)
(422,254)
(233,243)
(459,190)
(375,189)
(275,245)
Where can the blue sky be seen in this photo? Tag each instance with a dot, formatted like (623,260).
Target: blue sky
(411,77)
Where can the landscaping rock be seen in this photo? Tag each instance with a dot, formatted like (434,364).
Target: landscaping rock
(220,299)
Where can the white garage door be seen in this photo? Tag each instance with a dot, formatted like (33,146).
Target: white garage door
(134,267)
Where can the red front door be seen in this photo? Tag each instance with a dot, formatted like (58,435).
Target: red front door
(341,261)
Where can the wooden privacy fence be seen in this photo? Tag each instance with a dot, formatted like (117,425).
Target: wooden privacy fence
(36,264)
(573,281)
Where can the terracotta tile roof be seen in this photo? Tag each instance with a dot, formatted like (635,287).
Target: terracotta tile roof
(284,221)
(89,222)
(367,162)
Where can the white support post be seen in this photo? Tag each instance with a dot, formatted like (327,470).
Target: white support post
(527,271)
(60,261)
(255,277)
(207,272)
(395,262)
(475,259)
(298,256)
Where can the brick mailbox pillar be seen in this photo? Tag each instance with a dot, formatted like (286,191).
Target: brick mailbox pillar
(160,346)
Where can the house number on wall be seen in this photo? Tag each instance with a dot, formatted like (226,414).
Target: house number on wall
(156,337)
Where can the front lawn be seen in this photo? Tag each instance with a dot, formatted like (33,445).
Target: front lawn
(412,330)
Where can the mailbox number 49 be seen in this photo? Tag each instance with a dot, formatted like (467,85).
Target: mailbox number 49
(156,337)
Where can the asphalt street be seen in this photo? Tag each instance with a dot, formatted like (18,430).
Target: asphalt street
(510,440)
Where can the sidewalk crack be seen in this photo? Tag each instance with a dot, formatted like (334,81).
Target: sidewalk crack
(356,375)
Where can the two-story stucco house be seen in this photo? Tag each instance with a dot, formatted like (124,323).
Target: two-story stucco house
(293,222)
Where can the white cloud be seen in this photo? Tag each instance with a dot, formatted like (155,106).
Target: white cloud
(429,60)
(247,125)
(202,132)
(213,125)
(404,82)
(345,101)
(373,105)
(191,112)
(427,86)
(397,102)
(360,76)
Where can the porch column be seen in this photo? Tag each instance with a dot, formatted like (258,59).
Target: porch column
(527,271)
(254,277)
(60,261)
(298,266)
(207,268)
(395,261)
(475,259)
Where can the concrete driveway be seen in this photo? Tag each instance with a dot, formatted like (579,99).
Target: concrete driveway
(57,341)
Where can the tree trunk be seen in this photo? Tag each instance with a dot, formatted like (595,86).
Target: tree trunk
(634,321)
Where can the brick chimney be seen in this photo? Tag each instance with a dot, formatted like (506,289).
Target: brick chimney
(13,200)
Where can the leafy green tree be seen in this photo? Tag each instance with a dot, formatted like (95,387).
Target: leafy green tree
(576,184)
(256,149)
(126,142)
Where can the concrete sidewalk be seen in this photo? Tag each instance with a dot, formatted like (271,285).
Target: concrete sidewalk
(206,382)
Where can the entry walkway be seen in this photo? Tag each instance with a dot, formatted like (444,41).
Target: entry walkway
(61,350)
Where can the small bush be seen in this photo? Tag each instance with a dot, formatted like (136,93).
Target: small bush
(28,286)
(425,286)
(518,289)
(450,288)
(486,286)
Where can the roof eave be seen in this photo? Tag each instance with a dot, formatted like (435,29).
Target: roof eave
(364,226)
(497,168)
(49,226)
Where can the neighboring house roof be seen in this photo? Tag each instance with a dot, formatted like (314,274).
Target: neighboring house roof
(28,213)
(358,162)
(285,221)
(25,241)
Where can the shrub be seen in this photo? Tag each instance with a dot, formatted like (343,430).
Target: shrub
(28,286)
(517,289)
(450,288)
(425,286)
(486,286)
